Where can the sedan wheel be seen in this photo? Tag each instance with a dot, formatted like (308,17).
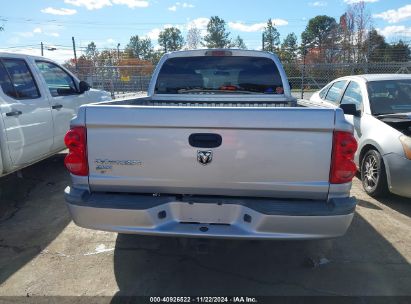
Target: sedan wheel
(373,175)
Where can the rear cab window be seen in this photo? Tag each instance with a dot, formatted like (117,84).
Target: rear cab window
(16,79)
(219,74)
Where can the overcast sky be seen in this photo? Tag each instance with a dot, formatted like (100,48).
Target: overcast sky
(109,22)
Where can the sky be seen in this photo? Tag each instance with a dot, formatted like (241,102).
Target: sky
(109,22)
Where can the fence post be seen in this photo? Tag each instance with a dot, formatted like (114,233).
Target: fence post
(303,73)
(75,53)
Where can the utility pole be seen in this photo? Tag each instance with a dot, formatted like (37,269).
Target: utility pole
(75,54)
(262,42)
(118,51)
(42,49)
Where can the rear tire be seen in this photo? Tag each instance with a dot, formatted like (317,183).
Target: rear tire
(373,174)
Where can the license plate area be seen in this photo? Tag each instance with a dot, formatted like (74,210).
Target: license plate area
(202,213)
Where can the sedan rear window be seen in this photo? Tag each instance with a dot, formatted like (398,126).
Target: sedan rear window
(334,93)
(220,74)
(390,96)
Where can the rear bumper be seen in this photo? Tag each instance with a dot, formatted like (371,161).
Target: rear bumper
(399,171)
(242,218)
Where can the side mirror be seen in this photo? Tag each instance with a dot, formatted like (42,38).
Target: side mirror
(350,109)
(83,87)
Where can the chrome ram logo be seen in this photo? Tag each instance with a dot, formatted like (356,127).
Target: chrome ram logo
(204,157)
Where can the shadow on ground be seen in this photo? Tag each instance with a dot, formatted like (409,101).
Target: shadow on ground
(360,263)
(398,203)
(32,212)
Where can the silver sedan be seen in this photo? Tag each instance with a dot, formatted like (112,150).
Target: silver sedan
(379,107)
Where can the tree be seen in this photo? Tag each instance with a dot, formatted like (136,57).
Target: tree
(271,37)
(193,38)
(133,67)
(289,48)
(346,31)
(92,52)
(362,22)
(156,56)
(171,39)
(139,48)
(375,47)
(239,43)
(217,36)
(321,34)
(399,51)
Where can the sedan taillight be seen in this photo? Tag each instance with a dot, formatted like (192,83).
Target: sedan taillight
(76,159)
(343,168)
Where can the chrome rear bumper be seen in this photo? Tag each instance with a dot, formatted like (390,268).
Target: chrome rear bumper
(242,218)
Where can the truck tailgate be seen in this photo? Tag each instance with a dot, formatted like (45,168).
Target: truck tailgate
(266,152)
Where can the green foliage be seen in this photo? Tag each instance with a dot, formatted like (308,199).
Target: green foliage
(171,39)
(217,35)
(156,56)
(320,32)
(239,43)
(378,50)
(271,37)
(91,51)
(289,48)
(400,51)
(140,48)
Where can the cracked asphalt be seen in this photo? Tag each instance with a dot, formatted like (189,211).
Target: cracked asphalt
(43,253)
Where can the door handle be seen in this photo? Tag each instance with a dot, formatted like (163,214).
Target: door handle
(205,140)
(14,113)
(57,107)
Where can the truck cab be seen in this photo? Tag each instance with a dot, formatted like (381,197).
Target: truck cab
(38,99)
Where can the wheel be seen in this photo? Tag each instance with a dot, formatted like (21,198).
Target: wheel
(373,174)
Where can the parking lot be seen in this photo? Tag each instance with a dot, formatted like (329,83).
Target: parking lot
(43,253)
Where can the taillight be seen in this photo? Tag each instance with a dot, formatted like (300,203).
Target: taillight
(76,159)
(343,168)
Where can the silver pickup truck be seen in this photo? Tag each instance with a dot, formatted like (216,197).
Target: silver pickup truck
(218,149)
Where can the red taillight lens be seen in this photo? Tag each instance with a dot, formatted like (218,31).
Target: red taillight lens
(343,168)
(76,159)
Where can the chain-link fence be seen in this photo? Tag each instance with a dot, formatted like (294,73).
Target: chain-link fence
(311,77)
(119,80)
(127,80)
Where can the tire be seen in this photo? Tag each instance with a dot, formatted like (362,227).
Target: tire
(373,174)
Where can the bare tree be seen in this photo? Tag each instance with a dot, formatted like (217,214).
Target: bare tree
(193,38)
(346,28)
(362,23)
